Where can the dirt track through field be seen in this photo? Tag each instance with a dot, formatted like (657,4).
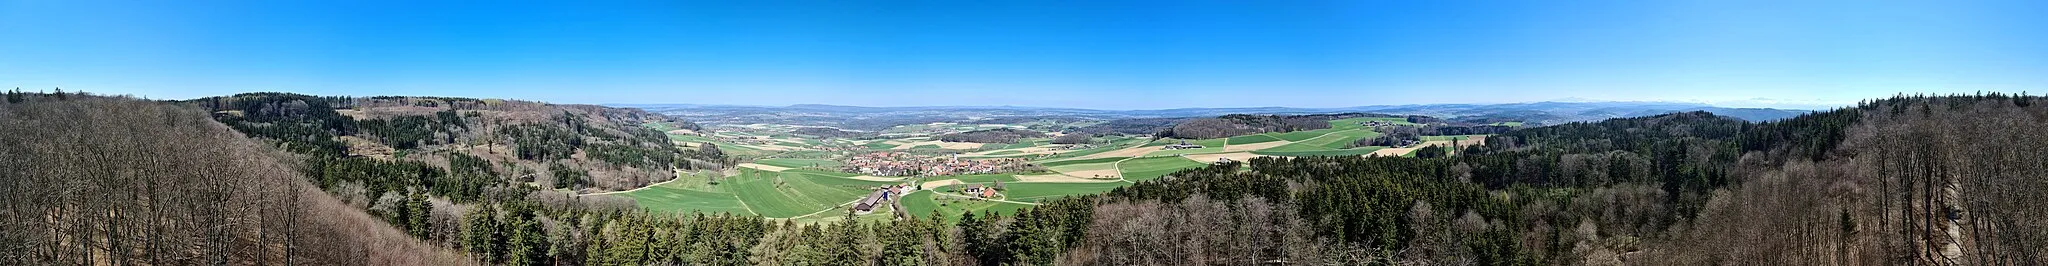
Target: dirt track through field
(936,184)
(1471,141)
(1126,152)
(876,178)
(1254,146)
(942,145)
(1211,158)
(1020,151)
(1391,152)
(1059,178)
(765,167)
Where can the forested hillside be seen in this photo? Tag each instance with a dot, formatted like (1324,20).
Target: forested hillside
(1895,181)
(474,142)
(1000,135)
(100,181)
(1235,125)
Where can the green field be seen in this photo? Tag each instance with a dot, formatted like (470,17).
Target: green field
(1341,152)
(1117,144)
(1333,141)
(1205,149)
(801,163)
(1338,125)
(1142,169)
(1027,143)
(1035,192)
(798,193)
(728,147)
(1249,139)
(689,194)
(922,203)
(1302,135)
(1216,142)
(879,145)
(980,178)
(1208,146)
(1083,165)
(1084,161)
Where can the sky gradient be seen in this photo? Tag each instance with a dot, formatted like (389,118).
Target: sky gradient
(1087,54)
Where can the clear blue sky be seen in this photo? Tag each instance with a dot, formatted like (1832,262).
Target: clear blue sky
(1091,54)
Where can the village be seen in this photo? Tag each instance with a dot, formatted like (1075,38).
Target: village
(897,163)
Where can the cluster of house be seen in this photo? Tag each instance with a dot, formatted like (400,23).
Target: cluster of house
(1376,123)
(1406,143)
(892,163)
(1183,145)
(979,191)
(894,193)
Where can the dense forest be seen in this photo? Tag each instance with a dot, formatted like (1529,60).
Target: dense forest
(1131,126)
(830,133)
(1239,124)
(527,141)
(1905,180)
(1074,138)
(999,135)
(92,180)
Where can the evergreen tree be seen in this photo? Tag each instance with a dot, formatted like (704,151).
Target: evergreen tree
(845,248)
(421,215)
(482,238)
(901,245)
(528,242)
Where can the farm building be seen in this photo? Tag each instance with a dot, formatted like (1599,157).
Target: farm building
(1183,146)
(867,204)
(971,188)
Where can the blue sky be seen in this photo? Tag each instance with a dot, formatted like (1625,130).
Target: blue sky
(1090,54)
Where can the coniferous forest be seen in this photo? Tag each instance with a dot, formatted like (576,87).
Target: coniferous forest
(1903,180)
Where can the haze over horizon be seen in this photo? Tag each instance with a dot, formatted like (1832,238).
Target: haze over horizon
(1119,55)
(1750,103)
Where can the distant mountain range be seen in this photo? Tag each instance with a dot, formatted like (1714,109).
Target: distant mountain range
(870,118)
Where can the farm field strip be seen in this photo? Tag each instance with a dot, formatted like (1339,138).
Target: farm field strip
(1212,157)
(1255,146)
(1388,152)
(800,163)
(1342,152)
(1035,192)
(1249,139)
(1331,141)
(923,202)
(755,191)
(1142,169)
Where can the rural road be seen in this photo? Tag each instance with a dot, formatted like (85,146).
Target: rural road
(679,174)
